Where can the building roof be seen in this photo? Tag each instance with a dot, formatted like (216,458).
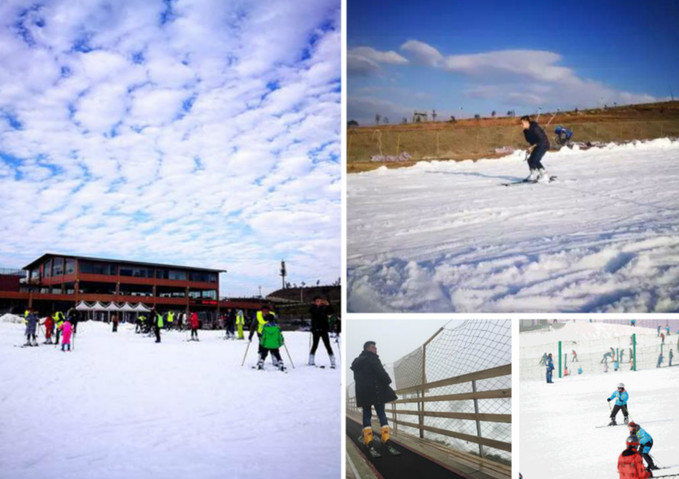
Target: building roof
(108,260)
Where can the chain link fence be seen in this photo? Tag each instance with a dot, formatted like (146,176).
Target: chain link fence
(455,389)
(594,348)
(445,141)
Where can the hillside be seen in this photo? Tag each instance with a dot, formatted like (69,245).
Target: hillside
(474,139)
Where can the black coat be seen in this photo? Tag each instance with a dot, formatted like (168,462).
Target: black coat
(319,318)
(372,381)
(536,136)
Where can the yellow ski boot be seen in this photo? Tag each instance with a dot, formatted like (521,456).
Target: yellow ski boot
(385,434)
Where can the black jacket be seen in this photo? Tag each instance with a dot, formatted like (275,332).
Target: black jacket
(372,381)
(320,318)
(536,136)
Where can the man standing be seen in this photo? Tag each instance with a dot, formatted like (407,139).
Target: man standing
(240,322)
(539,144)
(550,368)
(372,389)
(320,313)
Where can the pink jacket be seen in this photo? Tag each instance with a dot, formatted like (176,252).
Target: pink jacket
(66,333)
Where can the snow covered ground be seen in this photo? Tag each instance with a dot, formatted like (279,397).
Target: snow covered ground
(558,434)
(121,406)
(446,236)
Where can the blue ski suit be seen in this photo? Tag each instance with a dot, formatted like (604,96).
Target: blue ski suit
(645,441)
(550,368)
(620,403)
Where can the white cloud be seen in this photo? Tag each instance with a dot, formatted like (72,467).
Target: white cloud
(422,54)
(211,139)
(367,60)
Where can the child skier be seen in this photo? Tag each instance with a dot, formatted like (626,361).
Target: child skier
(66,330)
(240,322)
(31,325)
(193,321)
(270,341)
(630,465)
(621,398)
(645,443)
(49,329)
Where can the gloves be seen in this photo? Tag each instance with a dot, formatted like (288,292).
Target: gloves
(609,399)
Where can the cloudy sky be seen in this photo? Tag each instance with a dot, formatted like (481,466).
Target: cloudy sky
(197,132)
(463,58)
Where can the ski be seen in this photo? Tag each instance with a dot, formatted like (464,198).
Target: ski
(390,448)
(610,425)
(527,182)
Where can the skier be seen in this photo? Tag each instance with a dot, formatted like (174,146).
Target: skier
(660,359)
(630,465)
(240,322)
(539,145)
(170,320)
(575,357)
(31,325)
(157,319)
(563,135)
(230,324)
(645,443)
(49,329)
(257,324)
(671,356)
(550,368)
(270,341)
(320,312)
(372,389)
(543,359)
(621,396)
(114,323)
(194,322)
(66,329)
(73,316)
(58,321)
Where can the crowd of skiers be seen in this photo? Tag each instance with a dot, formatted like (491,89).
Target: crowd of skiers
(56,325)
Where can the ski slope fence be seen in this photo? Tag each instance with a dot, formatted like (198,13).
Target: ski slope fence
(636,350)
(452,141)
(455,389)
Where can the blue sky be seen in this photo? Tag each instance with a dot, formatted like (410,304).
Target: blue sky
(486,55)
(197,132)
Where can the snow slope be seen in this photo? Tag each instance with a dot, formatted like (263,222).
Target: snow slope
(446,236)
(558,436)
(121,406)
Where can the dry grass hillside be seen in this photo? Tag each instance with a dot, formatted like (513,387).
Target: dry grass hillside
(473,139)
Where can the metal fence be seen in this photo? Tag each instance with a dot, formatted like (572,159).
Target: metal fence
(455,389)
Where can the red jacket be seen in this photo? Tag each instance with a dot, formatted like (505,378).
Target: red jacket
(630,465)
(194,320)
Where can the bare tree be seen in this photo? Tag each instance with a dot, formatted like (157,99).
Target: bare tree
(378,117)
(452,119)
(404,121)
(385,120)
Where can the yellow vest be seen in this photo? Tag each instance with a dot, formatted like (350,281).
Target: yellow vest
(261,322)
(240,318)
(170,317)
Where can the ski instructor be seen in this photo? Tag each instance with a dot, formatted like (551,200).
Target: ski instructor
(372,389)
(539,144)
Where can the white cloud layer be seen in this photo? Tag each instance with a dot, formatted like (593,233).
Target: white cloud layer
(194,131)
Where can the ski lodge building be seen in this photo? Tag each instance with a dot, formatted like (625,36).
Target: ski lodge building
(59,282)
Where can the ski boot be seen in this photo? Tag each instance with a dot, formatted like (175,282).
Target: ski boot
(333,364)
(543,176)
(612,423)
(385,434)
(367,437)
(312,361)
(626,419)
(281,366)
(260,364)
(533,177)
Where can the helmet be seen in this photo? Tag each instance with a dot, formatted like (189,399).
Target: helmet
(621,386)
(634,425)
(633,442)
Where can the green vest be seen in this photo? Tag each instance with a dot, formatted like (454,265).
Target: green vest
(159,319)
(170,317)
(240,317)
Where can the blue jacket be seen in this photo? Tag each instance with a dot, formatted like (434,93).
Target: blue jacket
(620,398)
(644,437)
(550,364)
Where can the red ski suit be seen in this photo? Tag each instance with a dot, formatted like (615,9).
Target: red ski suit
(630,465)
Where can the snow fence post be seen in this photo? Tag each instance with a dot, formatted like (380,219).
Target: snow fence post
(559,359)
(634,351)
(478,423)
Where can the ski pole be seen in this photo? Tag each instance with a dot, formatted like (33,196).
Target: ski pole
(246,352)
(288,352)
(550,120)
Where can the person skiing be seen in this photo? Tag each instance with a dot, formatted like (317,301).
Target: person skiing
(58,321)
(32,321)
(550,368)
(49,328)
(270,341)
(73,317)
(114,323)
(621,397)
(230,324)
(157,319)
(645,443)
(575,357)
(240,322)
(543,359)
(320,313)
(194,322)
(66,329)
(660,360)
(257,324)
(630,465)
(372,389)
(607,355)
(671,356)
(563,135)
(539,144)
